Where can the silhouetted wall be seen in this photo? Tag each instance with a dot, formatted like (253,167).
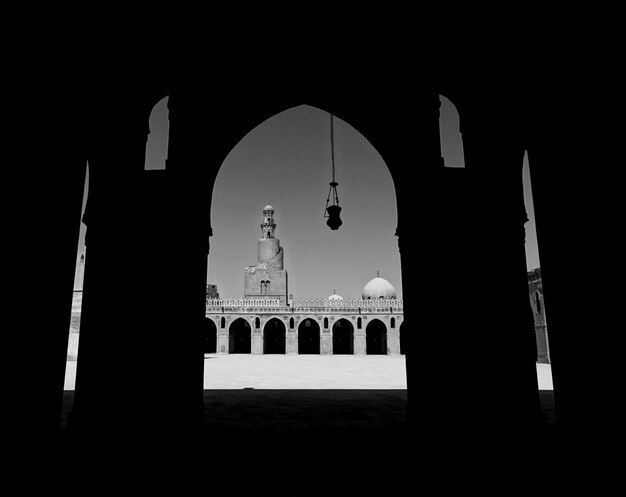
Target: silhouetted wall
(142,224)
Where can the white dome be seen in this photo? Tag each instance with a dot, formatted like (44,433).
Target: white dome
(268,207)
(335,297)
(379,288)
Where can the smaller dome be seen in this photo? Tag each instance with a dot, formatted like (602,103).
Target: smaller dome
(268,207)
(379,288)
(334,296)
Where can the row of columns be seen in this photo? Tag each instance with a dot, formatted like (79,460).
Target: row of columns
(359,336)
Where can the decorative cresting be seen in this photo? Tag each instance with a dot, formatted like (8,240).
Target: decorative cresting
(219,303)
(215,306)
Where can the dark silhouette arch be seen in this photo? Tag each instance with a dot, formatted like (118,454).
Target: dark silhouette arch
(376,338)
(403,339)
(455,341)
(274,337)
(343,337)
(209,330)
(240,337)
(309,337)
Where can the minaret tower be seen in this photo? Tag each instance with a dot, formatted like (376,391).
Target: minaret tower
(268,279)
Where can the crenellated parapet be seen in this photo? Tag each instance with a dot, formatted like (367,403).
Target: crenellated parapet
(349,303)
(220,303)
(305,306)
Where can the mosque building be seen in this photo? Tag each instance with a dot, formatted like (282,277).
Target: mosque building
(270,321)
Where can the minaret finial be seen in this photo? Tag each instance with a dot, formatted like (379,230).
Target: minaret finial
(378,273)
(268,226)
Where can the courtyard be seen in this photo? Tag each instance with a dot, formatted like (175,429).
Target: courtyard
(303,372)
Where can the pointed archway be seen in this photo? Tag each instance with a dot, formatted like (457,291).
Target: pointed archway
(274,337)
(240,337)
(343,337)
(309,337)
(376,338)
(209,336)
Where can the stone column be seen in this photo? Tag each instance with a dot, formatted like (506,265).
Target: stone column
(257,341)
(223,341)
(326,341)
(292,342)
(359,340)
(393,341)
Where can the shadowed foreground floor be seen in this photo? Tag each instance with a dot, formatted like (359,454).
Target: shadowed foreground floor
(307,425)
(311,442)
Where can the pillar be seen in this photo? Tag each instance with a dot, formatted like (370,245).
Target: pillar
(359,340)
(393,340)
(223,341)
(292,342)
(117,289)
(257,341)
(56,224)
(326,340)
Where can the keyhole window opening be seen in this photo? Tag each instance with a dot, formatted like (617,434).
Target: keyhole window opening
(538,302)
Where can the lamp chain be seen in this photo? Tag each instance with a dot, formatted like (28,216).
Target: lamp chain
(332,145)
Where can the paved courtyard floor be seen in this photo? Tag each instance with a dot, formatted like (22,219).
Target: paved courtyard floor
(302,372)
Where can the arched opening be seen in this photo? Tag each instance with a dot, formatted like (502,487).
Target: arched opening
(274,337)
(450,134)
(257,323)
(535,284)
(309,337)
(210,336)
(376,338)
(77,297)
(291,165)
(325,323)
(240,337)
(403,347)
(343,337)
(158,137)
(538,302)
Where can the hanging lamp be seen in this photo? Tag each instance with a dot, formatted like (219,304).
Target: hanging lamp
(333,210)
